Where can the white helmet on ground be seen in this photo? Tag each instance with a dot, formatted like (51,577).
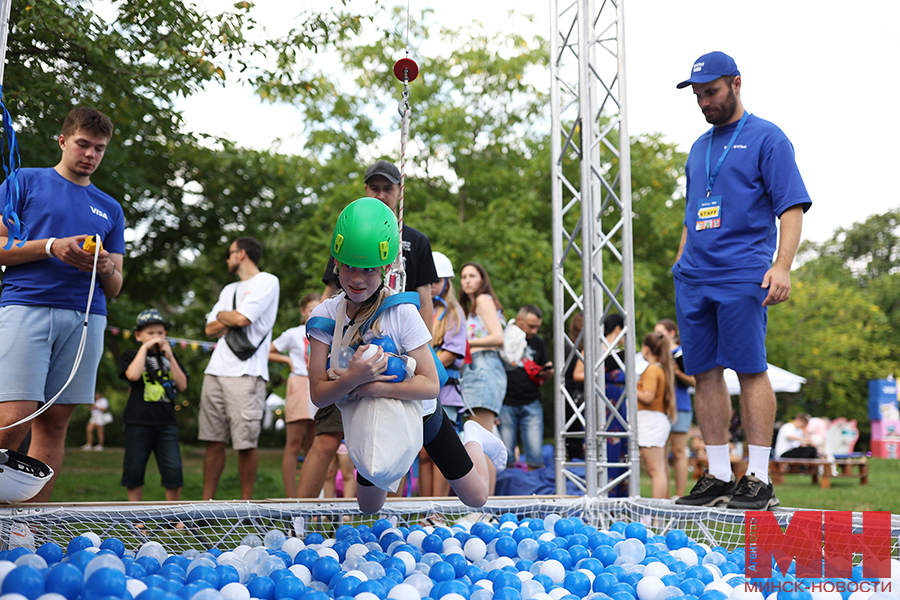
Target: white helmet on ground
(442,264)
(21,476)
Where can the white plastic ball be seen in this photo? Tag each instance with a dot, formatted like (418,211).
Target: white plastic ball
(590,574)
(301,572)
(544,596)
(51,596)
(355,550)
(104,561)
(656,569)
(485,584)
(531,588)
(528,549)
(269,565)
(370,351)
(95,539)
(415,538)
(239,564)
(208,594)
(631,548)
(742,592)
(351,563)
(404,591)
(557,593)
(649,587)
(373,570)
(722,586)
(823,595)
(452,597)
(328,552)
(451,543)
(154,550)
(687,556)
(5,567)
(454,550)
(31,560)
(554,570)
(358,574)
(546,536)
(200,562)
(527,576)
(252,540)
(292,546)
(135,587)
(13,597)
(481,594)
(422,583)
(241,550)
(861,595)
(235,591)
(408,560)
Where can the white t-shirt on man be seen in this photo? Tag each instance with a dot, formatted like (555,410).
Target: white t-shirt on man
(257,299)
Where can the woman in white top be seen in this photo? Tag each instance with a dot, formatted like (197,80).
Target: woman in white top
(483,382)
(299,411)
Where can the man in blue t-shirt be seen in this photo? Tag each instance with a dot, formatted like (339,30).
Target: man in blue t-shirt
(46,287)
(741,175)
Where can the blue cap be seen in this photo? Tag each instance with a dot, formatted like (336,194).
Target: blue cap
(710,67)
(151,316)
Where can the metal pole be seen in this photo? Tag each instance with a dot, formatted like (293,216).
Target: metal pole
(5,7)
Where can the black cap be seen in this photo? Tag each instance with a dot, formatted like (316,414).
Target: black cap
(151,316)
(385,169)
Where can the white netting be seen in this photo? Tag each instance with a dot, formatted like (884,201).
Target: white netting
(199,526)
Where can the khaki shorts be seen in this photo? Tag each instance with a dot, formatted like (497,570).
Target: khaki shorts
(232,407)
(328,420)
(298,406)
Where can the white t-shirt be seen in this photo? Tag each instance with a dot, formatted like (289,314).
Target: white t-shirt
(257,299)
(294,341)
(100,406)
(782,443)
(402,323)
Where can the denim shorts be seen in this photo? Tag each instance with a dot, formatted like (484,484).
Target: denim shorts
(722,325)
(162,441)
(483,383)
(38,352)
(683,421)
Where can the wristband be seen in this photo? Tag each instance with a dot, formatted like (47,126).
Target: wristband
(113,271)
(48,246)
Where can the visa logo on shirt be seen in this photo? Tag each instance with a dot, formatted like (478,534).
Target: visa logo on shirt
(99,213)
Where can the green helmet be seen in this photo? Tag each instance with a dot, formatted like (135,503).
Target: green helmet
(366,235)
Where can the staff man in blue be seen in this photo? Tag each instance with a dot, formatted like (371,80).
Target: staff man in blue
(741,175)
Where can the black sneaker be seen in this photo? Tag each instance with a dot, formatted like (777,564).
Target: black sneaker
(753,494)
(709,491)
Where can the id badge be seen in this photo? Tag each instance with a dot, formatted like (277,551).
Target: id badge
(709,213)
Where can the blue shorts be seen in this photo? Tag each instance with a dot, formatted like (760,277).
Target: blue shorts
(483,383)
(722,325)
(38,352)
(682,422)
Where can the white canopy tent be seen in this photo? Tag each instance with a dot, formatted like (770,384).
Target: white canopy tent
(782,380)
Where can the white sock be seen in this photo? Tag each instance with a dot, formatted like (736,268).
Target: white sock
(759,462)
(493,447)
(719,462)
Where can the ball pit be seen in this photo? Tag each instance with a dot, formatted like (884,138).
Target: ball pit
(554,558)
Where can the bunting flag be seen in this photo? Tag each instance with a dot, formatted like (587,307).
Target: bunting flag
(182,343)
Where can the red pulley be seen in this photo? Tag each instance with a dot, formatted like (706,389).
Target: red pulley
(406,64)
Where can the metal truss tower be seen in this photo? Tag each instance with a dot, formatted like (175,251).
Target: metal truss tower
(592,240)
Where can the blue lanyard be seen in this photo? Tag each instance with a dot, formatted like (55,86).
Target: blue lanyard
(711,177)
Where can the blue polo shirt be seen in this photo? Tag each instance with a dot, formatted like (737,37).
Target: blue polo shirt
(758,181)
(52,206)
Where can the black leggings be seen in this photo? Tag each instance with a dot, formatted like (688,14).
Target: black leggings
(801,452)
(443,445)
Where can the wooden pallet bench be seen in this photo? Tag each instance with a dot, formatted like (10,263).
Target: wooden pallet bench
(846,467)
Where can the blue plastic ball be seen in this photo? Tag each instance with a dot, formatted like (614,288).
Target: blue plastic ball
(114,544)
(507,593)
(442,571)
(459,563)
(433,543)
(618,527)
(605,554)
(484,531)
(622,595)
(262,588)
(564,527)
(291,587)
(375,587)
(187,592)
(78,543)
(135,571)
(280,574)
(521,533)
(64,579)
(623,587)
(314,595)
(306,557)
(505,579)
(473,573)
(51,552)
(713,595)
(701,573)
(591,564)
(150,564)
(324,569)
(604,583)
(154,581)
(578,583)
(386,343)
(105,582)
(346,586)
(506,546)
(24,580)
(637,531)
(563,557)
(380,526)
(203,573)
(314,538)
(671,579)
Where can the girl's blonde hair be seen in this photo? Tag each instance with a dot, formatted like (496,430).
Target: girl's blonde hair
(449,319)
(658,345)
(366,310)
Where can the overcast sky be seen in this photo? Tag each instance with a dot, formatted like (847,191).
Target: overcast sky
(825,72)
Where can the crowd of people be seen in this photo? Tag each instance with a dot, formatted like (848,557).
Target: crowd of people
(465,373)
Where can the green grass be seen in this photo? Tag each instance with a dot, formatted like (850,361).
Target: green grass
(95,476)
(797,491)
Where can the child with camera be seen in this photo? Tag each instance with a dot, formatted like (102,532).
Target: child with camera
(156,376)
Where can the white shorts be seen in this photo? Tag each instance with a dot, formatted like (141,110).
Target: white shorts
(653,428)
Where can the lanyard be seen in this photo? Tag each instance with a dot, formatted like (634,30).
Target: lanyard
(711,177)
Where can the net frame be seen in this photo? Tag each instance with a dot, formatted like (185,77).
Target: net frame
(183,526)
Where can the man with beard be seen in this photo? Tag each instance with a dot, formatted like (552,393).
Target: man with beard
(741,174)
(234,389)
